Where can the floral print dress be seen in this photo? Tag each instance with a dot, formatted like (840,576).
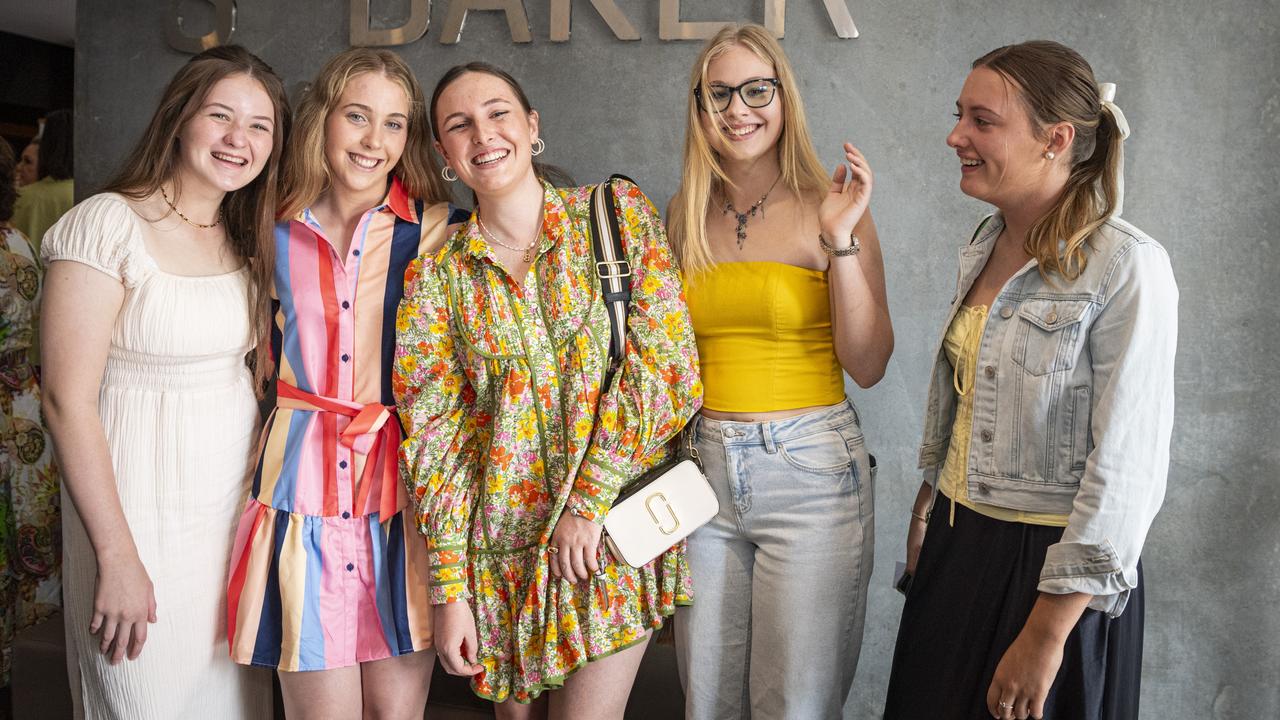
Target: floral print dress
(30,583)
(499,384)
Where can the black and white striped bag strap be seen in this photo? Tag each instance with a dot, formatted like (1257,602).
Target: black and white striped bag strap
(613,270)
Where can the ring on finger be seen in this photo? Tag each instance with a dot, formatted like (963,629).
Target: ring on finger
(553,549)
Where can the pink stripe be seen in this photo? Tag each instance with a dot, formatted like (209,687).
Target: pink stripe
(308,302)
(336,613)
(370,641)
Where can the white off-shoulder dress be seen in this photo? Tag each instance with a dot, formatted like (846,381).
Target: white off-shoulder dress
(180,418)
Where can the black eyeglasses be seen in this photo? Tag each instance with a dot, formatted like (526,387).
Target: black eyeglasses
(754,93)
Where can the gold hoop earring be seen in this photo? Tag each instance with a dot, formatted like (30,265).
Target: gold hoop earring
(539,146)
(448,174)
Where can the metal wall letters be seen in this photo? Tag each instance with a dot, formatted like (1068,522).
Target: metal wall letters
(364,36)
(517,19)
(618,23)
(670,26)
(224,27)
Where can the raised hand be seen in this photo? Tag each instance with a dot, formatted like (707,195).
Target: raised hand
(846,199)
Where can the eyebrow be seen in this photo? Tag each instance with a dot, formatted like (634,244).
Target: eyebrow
(231,110)
(369,111)
(744,82)
(488,102)
(976,108)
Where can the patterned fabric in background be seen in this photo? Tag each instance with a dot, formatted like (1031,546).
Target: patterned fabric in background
(498,383)
(30,535)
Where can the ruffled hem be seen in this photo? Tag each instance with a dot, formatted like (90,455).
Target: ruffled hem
(558,627)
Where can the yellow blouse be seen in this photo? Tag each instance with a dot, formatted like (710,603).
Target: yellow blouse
(764,337)
(961,345)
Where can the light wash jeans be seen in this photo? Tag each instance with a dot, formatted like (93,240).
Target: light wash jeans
(780,574)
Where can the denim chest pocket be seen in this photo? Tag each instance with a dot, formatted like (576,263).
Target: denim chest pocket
(821,452)
(1048,335)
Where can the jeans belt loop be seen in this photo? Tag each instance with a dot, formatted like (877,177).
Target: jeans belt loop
(766,431)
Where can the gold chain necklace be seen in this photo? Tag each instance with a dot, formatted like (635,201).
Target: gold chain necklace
(186,219)
(526,256)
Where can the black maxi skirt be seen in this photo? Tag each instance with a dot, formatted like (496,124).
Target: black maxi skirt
(973,590)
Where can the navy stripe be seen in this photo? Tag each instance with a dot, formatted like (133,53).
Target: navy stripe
(405,239)
(458,214)
(266,648)
(395,561)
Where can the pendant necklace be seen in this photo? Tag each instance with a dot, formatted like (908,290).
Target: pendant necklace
(527,255)
(743,217)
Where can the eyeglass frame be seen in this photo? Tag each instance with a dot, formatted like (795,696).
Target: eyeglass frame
(737,90)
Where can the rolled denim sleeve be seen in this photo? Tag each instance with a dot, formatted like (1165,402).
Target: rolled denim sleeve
(1132,345)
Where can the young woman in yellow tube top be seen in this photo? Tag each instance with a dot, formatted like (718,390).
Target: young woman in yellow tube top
(786,290)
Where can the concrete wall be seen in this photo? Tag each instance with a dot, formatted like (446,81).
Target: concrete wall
(1198,83)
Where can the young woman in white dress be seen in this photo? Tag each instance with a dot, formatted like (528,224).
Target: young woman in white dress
(156,293)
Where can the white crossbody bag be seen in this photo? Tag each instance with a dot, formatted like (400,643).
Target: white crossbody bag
(668,502)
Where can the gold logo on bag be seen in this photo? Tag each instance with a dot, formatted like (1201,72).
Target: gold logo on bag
(648,505)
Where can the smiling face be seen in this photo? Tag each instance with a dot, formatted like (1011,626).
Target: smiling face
(365,134)
(486,135)
(1001,158)
(745,133)
(226,143)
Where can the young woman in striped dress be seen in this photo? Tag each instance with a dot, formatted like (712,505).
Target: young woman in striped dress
(328,582)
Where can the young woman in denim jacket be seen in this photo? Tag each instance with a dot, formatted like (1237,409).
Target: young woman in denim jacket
(1049,415)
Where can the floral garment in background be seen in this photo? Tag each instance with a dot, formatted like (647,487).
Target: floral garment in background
(30,535)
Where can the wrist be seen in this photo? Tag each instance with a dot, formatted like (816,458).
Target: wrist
(838,243)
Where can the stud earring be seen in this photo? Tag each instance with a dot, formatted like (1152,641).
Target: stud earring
(448,174)
(1049,155)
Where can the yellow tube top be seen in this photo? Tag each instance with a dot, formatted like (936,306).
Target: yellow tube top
(961,345)
(764,337)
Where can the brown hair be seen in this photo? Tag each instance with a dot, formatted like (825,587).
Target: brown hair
(703,173)
(550,173)
(57,147)
(1057,85)
(8,193)
(306,170)
(248,214)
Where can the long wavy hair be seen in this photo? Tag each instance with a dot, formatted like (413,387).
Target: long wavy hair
(704,174)
(248,214)
(1056,84)
(306,170)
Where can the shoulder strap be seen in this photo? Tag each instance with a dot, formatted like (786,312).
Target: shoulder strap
(612,268)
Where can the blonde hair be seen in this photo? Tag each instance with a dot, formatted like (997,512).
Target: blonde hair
(703,173)
(306,170)
(1057,85)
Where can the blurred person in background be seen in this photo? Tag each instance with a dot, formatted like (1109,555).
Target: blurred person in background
(42,202)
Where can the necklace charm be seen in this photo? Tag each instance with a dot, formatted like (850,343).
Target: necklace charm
(743,217)
(526,252)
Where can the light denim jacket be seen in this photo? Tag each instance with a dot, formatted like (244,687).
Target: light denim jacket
(1072,404)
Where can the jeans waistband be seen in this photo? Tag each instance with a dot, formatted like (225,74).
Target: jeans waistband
(728,432)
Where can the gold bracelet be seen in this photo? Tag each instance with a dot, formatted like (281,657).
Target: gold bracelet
(922,518)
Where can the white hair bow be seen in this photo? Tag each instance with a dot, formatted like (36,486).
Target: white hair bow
(1107,96)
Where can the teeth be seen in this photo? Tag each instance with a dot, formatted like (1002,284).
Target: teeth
(230,158)
(364,162)
(740,131)
(970,163)
(489,157)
